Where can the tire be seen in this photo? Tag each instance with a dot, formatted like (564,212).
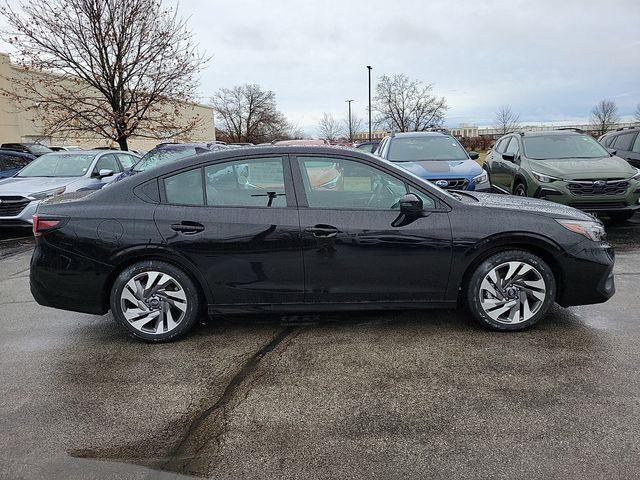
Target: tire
(520,190)
(158,292)
(534,280)
(621,216)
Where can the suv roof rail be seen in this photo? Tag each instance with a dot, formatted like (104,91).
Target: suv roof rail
(572,129)
(627,128)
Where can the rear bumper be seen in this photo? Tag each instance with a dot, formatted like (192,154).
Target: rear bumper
(587,276)
(66,281)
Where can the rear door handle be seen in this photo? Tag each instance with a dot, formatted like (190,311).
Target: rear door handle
(188,228)
(322,231)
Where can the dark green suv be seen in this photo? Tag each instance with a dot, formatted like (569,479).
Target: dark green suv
(566,167)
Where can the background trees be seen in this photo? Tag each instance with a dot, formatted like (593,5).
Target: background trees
(246,113)
(113,68)
(329,128)
(604,116)
(506,120)
(404,105)
(637,113)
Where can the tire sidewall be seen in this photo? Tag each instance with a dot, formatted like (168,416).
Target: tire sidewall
(522,186)
(180,276)
(473,290)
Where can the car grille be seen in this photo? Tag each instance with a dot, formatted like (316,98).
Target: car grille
(453,183)
(598,205)
(12,206)
(596,187)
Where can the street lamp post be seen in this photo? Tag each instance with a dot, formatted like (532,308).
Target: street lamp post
(350,130)
(369,67)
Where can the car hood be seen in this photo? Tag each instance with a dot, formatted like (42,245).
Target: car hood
(442,168)
(24,186)
(532,205)
(584,168)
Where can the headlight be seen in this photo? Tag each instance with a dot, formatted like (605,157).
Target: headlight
(48,193)
(541,177)
(591,230)
(482,178)
(637,175)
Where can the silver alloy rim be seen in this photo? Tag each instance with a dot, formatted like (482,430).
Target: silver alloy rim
(521,192)
(512,292)
(153,302)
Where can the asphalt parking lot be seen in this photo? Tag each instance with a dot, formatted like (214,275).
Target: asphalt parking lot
(388,395)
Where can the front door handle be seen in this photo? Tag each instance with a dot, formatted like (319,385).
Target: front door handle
(188,228)
(323,231)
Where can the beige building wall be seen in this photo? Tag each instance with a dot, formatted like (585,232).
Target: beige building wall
(17,125)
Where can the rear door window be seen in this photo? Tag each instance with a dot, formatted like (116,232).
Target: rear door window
(185,188)
(256,182)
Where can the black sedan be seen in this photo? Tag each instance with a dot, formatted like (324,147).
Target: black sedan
(308,229)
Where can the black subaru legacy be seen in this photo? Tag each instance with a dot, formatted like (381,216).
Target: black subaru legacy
(292,229)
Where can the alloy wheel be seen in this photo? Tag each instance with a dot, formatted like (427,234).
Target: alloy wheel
(513,292)
(153,302)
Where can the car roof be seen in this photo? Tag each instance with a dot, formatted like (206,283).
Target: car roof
(16,153)
(552,132)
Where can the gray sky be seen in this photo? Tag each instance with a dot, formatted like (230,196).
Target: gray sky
(551,60)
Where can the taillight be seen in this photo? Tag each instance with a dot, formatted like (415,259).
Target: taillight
(43,224)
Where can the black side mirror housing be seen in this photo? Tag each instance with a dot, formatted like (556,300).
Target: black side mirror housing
(411,204)
(612,151)
(510,157)
(474,155)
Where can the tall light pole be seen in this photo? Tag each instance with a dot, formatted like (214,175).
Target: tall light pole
(369,67)
(350,131)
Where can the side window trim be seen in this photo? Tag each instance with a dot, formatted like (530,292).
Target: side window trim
(286,170)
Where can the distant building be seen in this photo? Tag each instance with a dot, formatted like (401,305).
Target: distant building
(364,136)
(18,125)
(471,131)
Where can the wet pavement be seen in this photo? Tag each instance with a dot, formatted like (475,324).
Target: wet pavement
(383,395)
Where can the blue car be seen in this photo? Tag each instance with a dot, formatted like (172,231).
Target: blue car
(11,162)
(437,157)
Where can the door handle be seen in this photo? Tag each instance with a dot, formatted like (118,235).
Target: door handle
(188,228)
(323,231)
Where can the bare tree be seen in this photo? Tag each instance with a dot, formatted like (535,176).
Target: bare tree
(249,114)
(406,105)
(506,120)
(357,125)
(604,116)
(637,113)
(113,68)
(329,128)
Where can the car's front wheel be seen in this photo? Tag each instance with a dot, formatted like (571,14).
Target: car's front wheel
(511,290)
(520,190)
(154,301)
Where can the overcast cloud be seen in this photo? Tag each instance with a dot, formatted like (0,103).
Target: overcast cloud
(550,60)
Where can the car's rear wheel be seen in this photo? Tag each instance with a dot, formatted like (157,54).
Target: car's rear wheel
(154,301)
(520,190)
(621,216)
(511,290)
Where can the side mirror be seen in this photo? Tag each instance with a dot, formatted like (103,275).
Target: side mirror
(105,172)
(474,155)
(508,157)
(612,151)
(410,204)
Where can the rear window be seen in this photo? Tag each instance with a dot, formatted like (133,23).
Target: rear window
(437,147)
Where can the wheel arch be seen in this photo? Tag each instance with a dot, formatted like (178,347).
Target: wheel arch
(538,245)
(128,257)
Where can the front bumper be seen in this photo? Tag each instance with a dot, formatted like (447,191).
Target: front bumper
(587,275)
(559,192)
(23,219)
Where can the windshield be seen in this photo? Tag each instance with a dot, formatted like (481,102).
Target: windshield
(157,157)
(37,148)
(58,165)
(437,147)
(563,146)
